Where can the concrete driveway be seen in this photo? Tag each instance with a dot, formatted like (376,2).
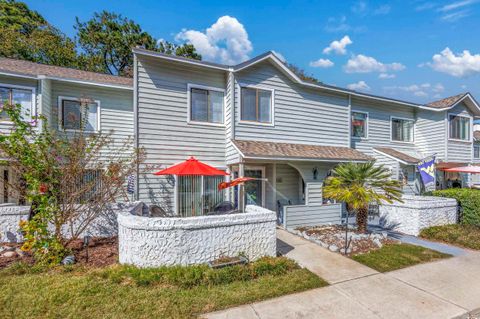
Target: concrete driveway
(448,288)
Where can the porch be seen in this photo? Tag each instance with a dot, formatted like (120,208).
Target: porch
(289,180)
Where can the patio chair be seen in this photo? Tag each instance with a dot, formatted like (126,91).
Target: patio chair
(224,207)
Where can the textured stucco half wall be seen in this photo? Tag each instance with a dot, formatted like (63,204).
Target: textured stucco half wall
(154,241)
(104,225)
(417,213)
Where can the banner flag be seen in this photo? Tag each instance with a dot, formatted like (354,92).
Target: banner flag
(131,184)
(427,170)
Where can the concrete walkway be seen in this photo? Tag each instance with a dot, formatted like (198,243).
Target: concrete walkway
(448,288)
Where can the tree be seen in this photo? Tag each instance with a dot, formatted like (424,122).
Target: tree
(108,38)
(358,184)
(70,179)
(26,35)
(301,73)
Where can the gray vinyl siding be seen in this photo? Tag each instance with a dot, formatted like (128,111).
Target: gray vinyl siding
(231,154)
(297,216)
(288,185)
(314,193)
(162,124)
(46,90)
(379,126)
(388,162)
(430,132)
(5,126)
(301,115)
(459,151)
(116,113)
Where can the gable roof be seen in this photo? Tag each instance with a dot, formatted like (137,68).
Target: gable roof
(272,57)
(288,151)
(447,102)
(400,156)
(38,70)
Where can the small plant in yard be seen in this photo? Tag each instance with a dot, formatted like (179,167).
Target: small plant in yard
(69,178)
(359,184)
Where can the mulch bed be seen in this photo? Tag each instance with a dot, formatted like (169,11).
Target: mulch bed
(101,252)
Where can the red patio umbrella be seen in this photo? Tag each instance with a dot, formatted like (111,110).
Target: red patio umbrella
(192,166)
(464,169)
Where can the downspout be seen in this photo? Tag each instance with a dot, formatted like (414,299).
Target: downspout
(350,120)
(232,101)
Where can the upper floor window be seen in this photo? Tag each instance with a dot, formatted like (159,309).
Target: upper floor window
(79,114)
(459,127)
(476,151)
(256,105)
(206,105)
(12,95)
(359,124)
(402,130)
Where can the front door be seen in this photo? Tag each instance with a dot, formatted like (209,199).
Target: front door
(254,189)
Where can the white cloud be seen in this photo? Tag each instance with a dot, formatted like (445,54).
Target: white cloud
(339,47)
(340,25)
(456,5)
(226,41)
(364,64)
(321,63)
(359,86)
(422,90)
(455,16)
(360,7)
(459,65)
(384,76)
(425,6)
(382,10)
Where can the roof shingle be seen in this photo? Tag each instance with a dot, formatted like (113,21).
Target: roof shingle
(397,154)
(446,102)
(298,151)
(35,69)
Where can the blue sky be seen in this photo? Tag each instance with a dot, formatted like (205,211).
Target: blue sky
(413,50)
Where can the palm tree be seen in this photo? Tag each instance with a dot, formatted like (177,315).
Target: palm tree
(358,184)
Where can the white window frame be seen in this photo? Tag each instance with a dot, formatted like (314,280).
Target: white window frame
(33,111)
(60,113)
(449,115)
(366,123)
(272,109)
(191,86)
(413,129)
(476,145)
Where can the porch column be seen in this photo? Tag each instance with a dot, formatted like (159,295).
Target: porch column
(241,188)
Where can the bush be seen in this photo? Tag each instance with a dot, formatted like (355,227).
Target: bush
(197,275)
(468,200)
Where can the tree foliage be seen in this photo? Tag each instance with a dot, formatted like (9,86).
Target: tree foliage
(107,40)
(70,179)
(302,74)
(359,184)
(26,35)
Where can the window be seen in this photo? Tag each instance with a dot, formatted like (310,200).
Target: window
(206,105)
(256,105)
(476,151)
(198,195)
(79,114)
(17,95)
(402,130)
(359,124)
(459,127)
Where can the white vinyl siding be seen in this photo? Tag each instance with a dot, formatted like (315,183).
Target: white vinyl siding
(458,150)
(430,133)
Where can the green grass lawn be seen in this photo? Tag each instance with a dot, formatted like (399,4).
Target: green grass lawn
(396,256)
(467,236)
(129,292)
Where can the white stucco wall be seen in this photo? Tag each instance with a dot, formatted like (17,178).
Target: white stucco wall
(417,213)
(104,225)
(153,241)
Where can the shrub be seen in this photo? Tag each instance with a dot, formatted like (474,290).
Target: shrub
(469,201)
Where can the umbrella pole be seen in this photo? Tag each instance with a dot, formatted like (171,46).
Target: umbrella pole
(241,188)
